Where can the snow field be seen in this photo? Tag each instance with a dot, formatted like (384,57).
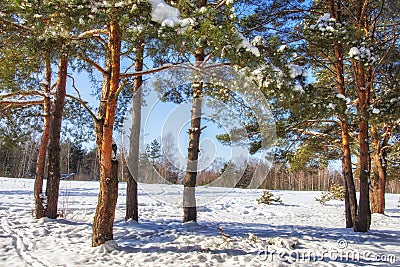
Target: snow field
(232,230)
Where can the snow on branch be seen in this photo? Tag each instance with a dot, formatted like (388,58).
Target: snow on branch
(312,133)
(247,45)
(92,33)
(163,13)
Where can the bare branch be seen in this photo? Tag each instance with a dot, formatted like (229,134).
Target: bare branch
(312,133)
(84,105)
(220,4)
(145,72)
(121,87)
(94,64)
(80,100)
(18,103)
(21,94)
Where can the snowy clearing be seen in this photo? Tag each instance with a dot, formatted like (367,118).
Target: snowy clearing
(301,232)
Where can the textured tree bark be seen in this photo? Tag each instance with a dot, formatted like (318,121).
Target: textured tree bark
(132,211)
(44,141)
(189,183)
(347,172)
(379,177)
(364,213)
(53,176)
(102,229)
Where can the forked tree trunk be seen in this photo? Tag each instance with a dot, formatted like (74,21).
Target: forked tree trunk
(132,211)
(379,163)
(189,183)
(102,229)
(53,176)
(347,172)
(44,141)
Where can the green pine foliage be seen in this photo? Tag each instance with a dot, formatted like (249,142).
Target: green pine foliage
(268,198)
(336,192)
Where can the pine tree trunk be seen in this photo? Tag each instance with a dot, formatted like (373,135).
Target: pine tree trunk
(189,182)
(53,176)
(379,163)
(44,141)
(364,213)
(347,172)
(132,211)
(102,229)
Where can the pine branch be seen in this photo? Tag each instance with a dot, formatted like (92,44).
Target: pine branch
(21,94)
(93,64)
(18,103)
(120,88)
(92,33)
(145,72)
(80,100)
(84,105)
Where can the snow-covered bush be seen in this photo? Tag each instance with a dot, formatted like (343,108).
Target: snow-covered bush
(268,198)
(336,191)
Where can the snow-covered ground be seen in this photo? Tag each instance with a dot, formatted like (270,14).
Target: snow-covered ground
(300,232)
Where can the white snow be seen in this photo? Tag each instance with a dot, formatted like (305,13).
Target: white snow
(327,25)
(341,96)
(353,52)
(295,70)
(362,53)
(247,45)
(281,48)
(232,230)
(298,88)
(163,13)
(376,111)
(331,106)
(258,40)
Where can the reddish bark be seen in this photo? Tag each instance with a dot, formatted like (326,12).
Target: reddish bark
(44,141)
(364,213)
(347,172)
(102,229)
(53,176)
(379,163)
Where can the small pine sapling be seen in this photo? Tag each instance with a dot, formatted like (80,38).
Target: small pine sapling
(268,198)
(336,191)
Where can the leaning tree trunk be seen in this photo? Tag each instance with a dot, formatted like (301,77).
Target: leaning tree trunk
(379,164)
(44,141)
(189,182)
(132,211)
(102,229)
(53,176)
(347,172)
